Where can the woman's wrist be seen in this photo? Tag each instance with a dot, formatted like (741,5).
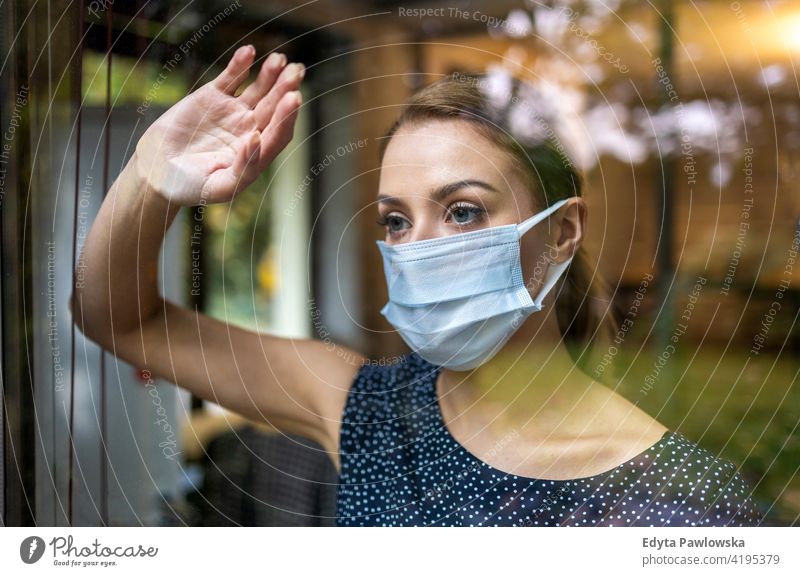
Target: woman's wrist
(140,181)
(175,181)
(134,178)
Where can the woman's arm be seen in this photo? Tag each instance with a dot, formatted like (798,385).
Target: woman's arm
(208,147)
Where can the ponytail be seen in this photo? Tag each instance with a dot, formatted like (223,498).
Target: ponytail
(583,311)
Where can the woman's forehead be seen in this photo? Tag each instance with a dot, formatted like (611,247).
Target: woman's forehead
(439,151)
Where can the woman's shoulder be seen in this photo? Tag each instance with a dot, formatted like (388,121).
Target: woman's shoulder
(680,452)
(376,373)
(699,487)
(381,383)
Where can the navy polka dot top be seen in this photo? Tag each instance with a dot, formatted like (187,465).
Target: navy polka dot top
(400,466)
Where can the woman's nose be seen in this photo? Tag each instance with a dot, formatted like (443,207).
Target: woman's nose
(425,229)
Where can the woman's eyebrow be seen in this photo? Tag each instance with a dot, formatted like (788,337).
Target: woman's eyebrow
(442,192)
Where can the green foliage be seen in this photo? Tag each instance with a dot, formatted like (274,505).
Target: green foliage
(133,82)
(238,244)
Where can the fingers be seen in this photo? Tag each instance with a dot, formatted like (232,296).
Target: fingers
(259,148)
(288,81)
(223,185)
(248,156)
(281,127)
(236,71)
(270,69)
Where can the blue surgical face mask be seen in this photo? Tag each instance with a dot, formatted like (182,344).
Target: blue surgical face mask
(456,300)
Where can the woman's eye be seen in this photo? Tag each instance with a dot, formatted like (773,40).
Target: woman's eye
(460,214)
(466,214)
(393,223)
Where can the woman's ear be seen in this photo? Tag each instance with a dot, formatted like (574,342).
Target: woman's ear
(571,228)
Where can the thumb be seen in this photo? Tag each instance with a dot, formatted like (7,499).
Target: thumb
(226,183)
(248,153)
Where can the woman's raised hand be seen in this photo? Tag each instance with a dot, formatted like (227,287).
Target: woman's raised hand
(212,144)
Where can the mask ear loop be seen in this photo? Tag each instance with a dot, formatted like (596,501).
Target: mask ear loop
(554,271)
(523,227)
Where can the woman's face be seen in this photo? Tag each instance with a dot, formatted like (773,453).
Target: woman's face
(441,177)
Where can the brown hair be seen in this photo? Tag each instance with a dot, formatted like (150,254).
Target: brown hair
(545,167)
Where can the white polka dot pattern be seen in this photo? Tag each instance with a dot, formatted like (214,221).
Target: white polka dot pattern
(400,466)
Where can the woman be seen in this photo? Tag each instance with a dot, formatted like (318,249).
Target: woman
(487,421)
